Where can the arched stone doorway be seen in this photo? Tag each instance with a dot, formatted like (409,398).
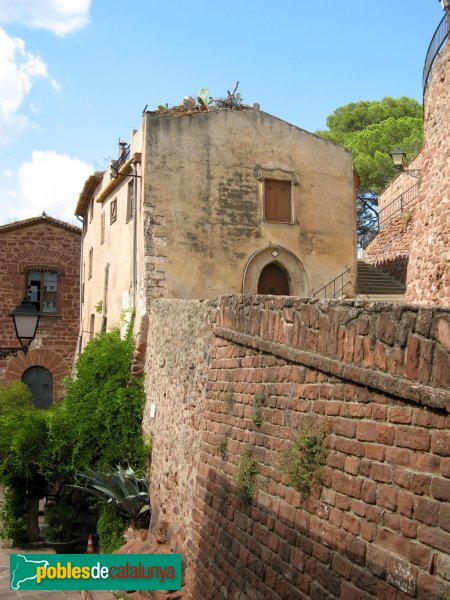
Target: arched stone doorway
(276,268)
(40,382)
(273,280)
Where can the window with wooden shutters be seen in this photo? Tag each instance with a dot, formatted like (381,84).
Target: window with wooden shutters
(113,213)
(278,201)
(130,200)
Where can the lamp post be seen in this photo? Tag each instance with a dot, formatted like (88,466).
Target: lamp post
(398,158)
(26,319)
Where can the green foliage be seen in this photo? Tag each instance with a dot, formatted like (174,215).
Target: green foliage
(304,459)
(371,129)
(23,439)
(12,520)
(222,447)
(14,396)
(122,488)
(99,422)
(110,529)
(246,477)
(260,399)
(229,401)
(60,520)
(99,306)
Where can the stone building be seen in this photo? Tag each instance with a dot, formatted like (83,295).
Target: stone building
(414,238)
(40,261)
(205,203)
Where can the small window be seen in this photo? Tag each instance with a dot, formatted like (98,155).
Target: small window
(90,262)
(91,326)
(130,200)
(91,210)
(113,211)
(102,228)
(42,286)
(278,201)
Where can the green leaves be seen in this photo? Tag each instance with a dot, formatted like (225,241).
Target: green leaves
(371,129)
(120,487)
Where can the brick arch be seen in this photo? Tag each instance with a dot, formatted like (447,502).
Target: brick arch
(58,367)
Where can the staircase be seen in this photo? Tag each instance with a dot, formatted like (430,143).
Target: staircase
(375,284)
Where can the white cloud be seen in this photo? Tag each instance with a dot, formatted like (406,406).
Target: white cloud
(18,70)
(50,182)
(58,16)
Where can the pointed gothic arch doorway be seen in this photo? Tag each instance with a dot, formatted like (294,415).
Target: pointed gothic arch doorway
(274,281)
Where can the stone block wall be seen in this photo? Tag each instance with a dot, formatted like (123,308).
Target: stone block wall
(428,271)
(375,376)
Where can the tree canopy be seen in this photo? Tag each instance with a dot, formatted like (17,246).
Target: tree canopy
(371,129)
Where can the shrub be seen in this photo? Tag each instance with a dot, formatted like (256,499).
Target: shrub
(304,460)
(222,447)
(245,477)
(110,529)
(12,519)
(14,396)
(60,521)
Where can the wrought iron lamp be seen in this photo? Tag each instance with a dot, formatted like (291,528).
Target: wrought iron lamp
(398,158)
(26,319)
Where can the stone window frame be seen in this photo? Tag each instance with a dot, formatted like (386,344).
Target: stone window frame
(42,269)
(276,174)
(90,262)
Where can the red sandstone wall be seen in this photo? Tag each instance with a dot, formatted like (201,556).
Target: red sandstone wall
(428,279)
(42,244)
(378,377)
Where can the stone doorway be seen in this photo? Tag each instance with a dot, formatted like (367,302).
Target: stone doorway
(40,382)
(274,281)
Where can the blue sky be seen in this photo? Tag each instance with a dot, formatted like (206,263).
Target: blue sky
(75,75)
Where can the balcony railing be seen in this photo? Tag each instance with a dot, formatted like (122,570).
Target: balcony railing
(437,41)
(124,156)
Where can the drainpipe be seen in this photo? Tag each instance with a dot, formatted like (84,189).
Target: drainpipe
(105,290)
(134,251)
(80,336)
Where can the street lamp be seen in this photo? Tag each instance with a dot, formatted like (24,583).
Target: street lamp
(398,158)
(26,319)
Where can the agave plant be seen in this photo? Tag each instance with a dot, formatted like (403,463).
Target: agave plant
(121,488)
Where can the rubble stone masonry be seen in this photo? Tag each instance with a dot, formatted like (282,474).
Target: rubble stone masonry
(375,376)
(428,271)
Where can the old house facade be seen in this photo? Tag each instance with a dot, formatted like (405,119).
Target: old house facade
(40,261)
(208,203)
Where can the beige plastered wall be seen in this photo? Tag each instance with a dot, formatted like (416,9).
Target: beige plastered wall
(203,201)
(115,253)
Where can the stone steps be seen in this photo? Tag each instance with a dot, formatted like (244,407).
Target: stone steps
(374,284)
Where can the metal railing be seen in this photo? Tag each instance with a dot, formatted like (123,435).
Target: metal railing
(339,280)
(437,41)
(387,214)
(124,156)
(397,206)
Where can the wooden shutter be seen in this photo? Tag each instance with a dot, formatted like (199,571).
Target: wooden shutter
(277,201)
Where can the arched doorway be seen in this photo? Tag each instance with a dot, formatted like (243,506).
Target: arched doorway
(40,382)
(273,280)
